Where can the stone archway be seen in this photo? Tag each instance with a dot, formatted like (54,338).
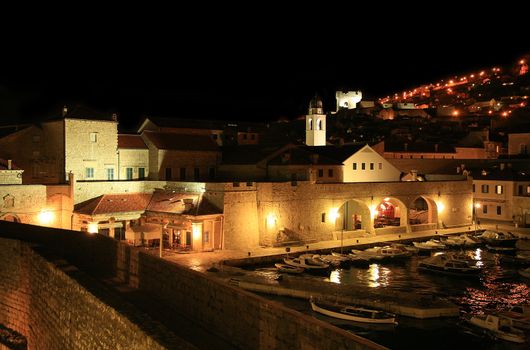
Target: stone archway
(389,211)
(353,215)
(423,211)
(10,217)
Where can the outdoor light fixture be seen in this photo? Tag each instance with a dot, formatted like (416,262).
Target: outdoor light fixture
(271,220)
(45,217)
(441,207)
(334,214)
(93,227)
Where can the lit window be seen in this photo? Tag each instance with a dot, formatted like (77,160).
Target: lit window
(499,189)
(93,137)
(89,173)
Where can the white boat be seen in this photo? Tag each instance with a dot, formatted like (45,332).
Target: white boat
(519,315)
(461,241)
(332,259)
(429,245)
(389,252)
(367,256)
(409,248)
(288,268)
(525,272)
(353,313)
(308,263)
(446,264)
(498,327)
(499,238)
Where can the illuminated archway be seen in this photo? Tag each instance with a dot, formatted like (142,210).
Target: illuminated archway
(423,210)
(352,215)
(319,124)
(310,124)
(389,212)
(10,217)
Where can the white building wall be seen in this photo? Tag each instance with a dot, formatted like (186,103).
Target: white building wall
(383,171)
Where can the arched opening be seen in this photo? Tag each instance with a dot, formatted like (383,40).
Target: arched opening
(10,218)
(352,216)
(319,124)
(387,213)
(422,211)
(310,124)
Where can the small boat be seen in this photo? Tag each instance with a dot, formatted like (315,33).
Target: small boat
(500,249)
(498,327)
(352,313)
(389,252)
(519,315)
(332,259)
(525,272)
(498,238)
(308,263)
(289,268)
(413,250)
(367,256)
(446,264)
(430,245)
(461,241)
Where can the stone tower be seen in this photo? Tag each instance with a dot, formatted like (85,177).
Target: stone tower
(348,99)
(315,124)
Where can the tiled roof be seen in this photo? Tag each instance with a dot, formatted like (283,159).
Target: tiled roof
(114,203)
(419,147)
(131,141)
(171,202)
(3,165)
(247,154)
(173,141)
(506,174)
(303,156)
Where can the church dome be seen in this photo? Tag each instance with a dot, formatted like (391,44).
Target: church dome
(315,105)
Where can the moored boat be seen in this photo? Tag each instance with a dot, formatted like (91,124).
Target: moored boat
(285,268)
(430,245)
(498,238)
(308,263)
(389,252)
(446,264)
(353,313)
(498,327)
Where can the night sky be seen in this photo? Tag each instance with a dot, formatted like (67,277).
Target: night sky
(217,69)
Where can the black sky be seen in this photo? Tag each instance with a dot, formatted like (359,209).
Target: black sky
(239,69)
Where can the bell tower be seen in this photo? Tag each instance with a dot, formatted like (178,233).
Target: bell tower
(315,124)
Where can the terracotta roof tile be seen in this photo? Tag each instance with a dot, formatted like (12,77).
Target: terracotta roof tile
(114,203)
(131,141)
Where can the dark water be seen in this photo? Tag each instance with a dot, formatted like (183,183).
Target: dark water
(498,288)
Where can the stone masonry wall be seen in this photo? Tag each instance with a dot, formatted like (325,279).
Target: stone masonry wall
(58,307)
(243,319)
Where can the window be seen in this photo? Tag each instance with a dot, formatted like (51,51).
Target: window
(484,209)
(110,173)
(141,173)
(499,210)
(252,136)
(380,166)
(211,173)
(93,137)
(320,172)
(196,174)
(319,124)
(323,217)
(499,189)
(485,189)
(330,172)
(310,124)
(354,166)
(168,173)
(129,173)
(421,156)
(235,184)
(473,188)
(527,189)
(182,174)
(371,166)
(249,184)
(214,136)
(89,173)
(363,166)
(523,148)
(36,154)
(520,191)
(401,156)
(206,236)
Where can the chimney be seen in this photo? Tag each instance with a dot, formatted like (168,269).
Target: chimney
(65,110)
(458,170)
(9,164)
(114,117)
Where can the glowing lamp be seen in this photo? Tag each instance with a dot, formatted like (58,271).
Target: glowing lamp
(373,211)
(45,217)
(93,227)
(271,220)
(441,207)
(334,214)
(477,205)
(196,229)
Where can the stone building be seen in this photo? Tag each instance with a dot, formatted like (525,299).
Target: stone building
(181,157)
(133,158)
(10,173)
(80,141)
